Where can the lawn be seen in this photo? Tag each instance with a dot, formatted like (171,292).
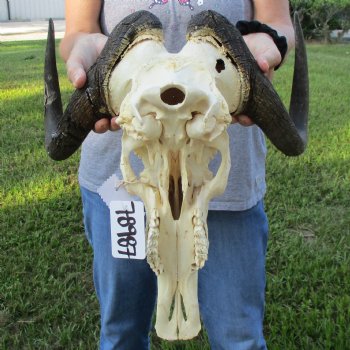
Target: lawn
(47,298)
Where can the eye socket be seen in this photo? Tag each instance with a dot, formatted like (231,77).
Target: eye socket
(220,65)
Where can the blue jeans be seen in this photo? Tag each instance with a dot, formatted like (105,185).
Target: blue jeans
(231,285)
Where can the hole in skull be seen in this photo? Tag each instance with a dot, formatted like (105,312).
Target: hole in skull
(215,163)
(220,65)
(172,96)
(175,196)
(136,163)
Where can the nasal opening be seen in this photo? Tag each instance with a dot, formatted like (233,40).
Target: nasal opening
(172,96)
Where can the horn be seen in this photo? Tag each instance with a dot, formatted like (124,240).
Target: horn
(299,101)
(65,131)
(286,131)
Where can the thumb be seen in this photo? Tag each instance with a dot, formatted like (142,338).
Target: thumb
(263,64)
(76,73)
(268,60)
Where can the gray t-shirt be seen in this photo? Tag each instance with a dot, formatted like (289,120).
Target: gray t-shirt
(100,154)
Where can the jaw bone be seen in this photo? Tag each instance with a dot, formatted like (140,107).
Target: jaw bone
(174,116)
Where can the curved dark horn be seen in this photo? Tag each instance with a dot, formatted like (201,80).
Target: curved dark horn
(299,101)
(288,132)
(65,132)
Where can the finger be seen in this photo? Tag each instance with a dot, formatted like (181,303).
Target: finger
(100,42)
(76,73)
(101,126)
(266,68)
(234,119)
(270,74)
(268,60)
(113,124)
(263,64)
(243,120)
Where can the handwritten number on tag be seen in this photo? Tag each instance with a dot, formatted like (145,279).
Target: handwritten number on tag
(128,229)
(126,239)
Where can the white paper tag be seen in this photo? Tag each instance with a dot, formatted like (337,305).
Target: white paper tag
(113,190)
(128,229)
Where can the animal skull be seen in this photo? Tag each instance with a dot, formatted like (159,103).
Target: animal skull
(174,117)
(174,110)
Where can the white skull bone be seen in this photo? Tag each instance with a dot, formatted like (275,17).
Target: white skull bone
(174,110)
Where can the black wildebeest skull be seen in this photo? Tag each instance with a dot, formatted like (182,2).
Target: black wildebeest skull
(174,110)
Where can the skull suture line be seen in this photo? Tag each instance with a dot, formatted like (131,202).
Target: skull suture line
(174,117)
(174,111)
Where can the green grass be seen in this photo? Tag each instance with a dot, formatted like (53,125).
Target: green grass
(47,298)
(308,202)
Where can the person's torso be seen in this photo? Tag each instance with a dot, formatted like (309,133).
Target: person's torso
(174,14)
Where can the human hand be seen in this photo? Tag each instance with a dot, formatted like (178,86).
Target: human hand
(82,50)
(267,57)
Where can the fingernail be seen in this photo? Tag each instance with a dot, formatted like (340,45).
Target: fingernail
(76,77)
